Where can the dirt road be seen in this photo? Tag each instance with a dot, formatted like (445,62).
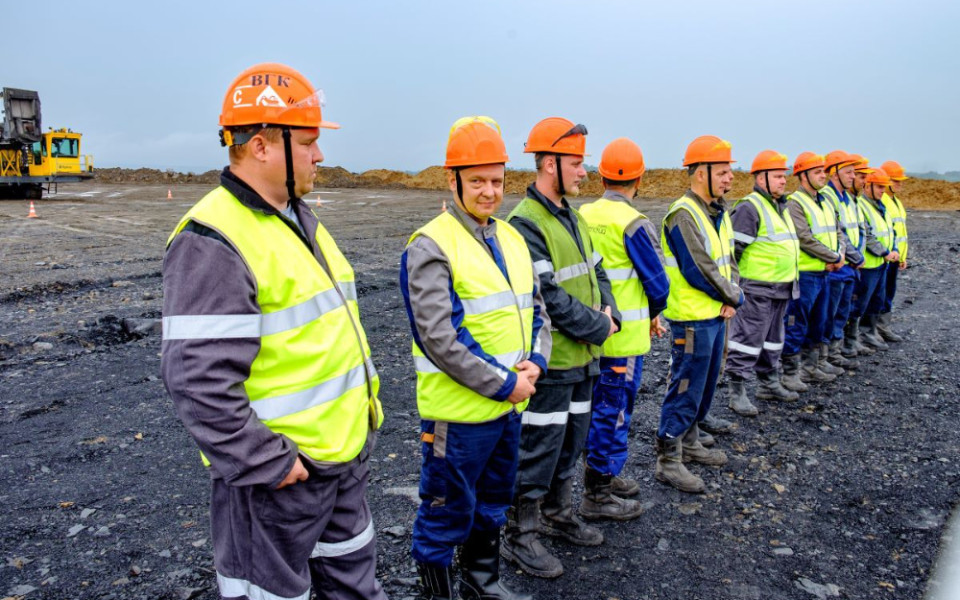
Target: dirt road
(844,494)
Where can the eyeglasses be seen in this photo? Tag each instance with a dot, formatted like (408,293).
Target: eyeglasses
(577,129)
(464,121)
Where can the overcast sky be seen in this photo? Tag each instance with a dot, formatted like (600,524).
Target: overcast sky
(144,82)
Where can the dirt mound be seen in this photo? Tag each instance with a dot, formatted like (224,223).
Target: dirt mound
(117,175)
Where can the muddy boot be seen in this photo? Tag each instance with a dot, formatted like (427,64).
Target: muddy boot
(716,425)
(623,487)
(521,543)
(810,372)
(850,335)
(480,569)
(706,439)
(670,469)
(883,328)
(869,334)
(836,357)
(557,518)
(770,388)
(599,501)
(693,450)
(858,331)
(825,365)
(739,401)
(436,583)
(791,373)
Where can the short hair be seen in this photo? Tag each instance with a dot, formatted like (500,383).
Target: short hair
(619,184)
(238,151)
(693,169)
(539,157)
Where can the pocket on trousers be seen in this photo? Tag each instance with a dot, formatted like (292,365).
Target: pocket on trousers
(292,504)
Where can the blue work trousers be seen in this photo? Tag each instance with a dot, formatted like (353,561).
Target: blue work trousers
(613,396)
(467,475)
(838,311)
(870,292)
(807,315)
(696,359)
(891,290)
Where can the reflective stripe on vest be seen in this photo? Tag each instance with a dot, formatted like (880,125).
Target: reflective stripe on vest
(823,225)
(498,315)
(881,227)
(846,213)
(312,379)
(685,302)
(774,253)
(899,221)
(607,220)
(572,271)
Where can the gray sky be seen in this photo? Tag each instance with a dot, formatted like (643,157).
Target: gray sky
(144,82)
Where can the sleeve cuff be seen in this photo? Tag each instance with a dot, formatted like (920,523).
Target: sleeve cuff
(538,359)
(507,388)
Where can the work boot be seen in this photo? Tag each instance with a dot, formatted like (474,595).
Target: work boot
(716,425)
(770,388)
(436,583)
(857,330)
(825,365)
(850,335)
(869,334)
(883,328)
(599,501)
(557,518)
(739,402)
(521,543)
(706,439)
(836,357)
(810,371)
(623,487)
(670,468)
(791,373)
(693,450)
(480,569)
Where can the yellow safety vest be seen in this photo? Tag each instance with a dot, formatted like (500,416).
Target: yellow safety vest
(685,302)
(899,219)
(312,379)
(823,226)
(847,213)
(774,253)
(882,228)
(497,313)
(607,220)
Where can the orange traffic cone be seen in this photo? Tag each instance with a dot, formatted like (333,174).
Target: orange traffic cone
(169,195)
(444,207)
(33,211)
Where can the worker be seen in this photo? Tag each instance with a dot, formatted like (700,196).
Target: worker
(820,253)
(480,343)
(880,251)
(583,315)
(629,245)
(891,201)
(698,247)
(266,360)
(767,253)
(841,168)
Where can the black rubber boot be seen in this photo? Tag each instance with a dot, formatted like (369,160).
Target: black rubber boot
(851,331)
(824,364)
(770,388)
(436,583)
(738,401)
(836,356)
(811,369)
(521,543)
(671,470)
(869,334)
(480,569)
(599,501)
(883,328)
(791,373)
(557,518)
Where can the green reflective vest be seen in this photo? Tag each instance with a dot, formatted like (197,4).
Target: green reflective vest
(823,226)
(774,253)
(607,220)
(882,227)
(312,379)
(847,214)
(498,314)
(899,219)
(685,302)
(571,271)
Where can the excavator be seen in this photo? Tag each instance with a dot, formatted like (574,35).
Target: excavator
(32,160)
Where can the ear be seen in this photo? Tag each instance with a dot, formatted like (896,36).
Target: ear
(452,180)
(258,147)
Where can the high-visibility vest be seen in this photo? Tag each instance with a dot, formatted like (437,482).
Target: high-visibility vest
(607,220)
(497,313)
(823,225)
(899,219)
(312,379)
(685,302)
(774,253)
(847,213)
(882,227)
(571,271)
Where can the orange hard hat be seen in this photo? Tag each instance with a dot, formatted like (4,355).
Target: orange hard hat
(273,94)
(860,164)
(879,177)
(838,159)
(557,136)
(806,161)
(622,160)
(769,160)
(707,149)
(894,170)
(475,141)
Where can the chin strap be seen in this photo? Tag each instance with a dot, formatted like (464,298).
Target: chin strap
(560,188)
(288,151)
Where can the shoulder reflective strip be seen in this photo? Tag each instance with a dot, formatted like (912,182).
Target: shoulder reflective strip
(723,261)
(332,549)
(525,301)
(198,327)
(670,261)
(544,419)
(577,270)
(543,266)
(769,346)
(620,274)
(290,404)
(596,258)
(579,408)
(423,365)
(236,588)
(751,350)
(901,239)
(635,314)
(349,289)
(477,306)
(301,314)
(742,237)
(703,230)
